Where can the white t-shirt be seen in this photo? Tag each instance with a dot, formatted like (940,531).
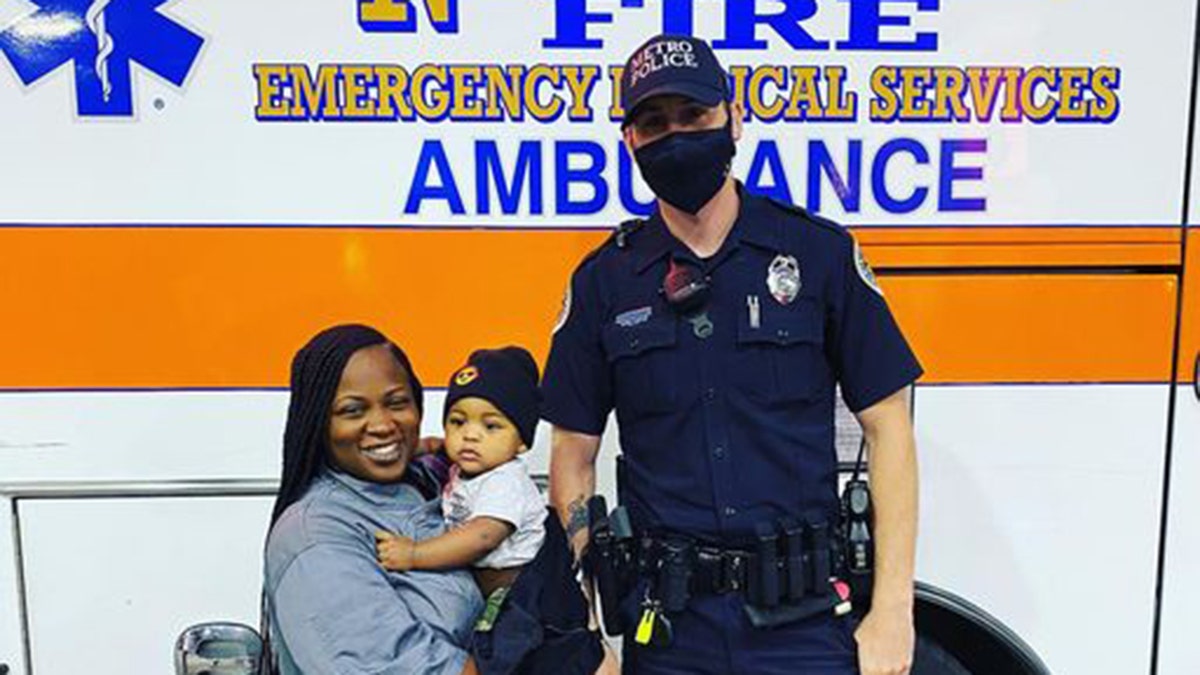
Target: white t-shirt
(505,493)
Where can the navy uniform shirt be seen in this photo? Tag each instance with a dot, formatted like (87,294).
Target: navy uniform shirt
(721,432)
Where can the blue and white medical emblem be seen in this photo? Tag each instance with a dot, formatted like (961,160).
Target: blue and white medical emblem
(100,38)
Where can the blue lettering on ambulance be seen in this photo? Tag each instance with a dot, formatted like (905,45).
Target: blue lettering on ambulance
(950,173)
(848,189)
(583,181)
(591,176)
(433,155)
(879,175)
(528,170)
(766,156)
(741,19)
(866,20)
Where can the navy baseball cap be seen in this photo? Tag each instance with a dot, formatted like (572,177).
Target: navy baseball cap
(672,64)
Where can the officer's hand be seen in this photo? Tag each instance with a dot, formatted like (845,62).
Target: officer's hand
(885,642)
(396,552)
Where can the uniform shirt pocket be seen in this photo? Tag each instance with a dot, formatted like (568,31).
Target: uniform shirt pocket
(781,358)
(642,359)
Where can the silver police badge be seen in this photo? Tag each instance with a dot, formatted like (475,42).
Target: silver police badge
(783,279)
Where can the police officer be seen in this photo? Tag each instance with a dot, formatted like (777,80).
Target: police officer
(717,329)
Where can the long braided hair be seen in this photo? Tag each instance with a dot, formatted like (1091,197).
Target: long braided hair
(316,372)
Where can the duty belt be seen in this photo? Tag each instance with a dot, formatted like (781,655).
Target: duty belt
(789,561)
(790,570)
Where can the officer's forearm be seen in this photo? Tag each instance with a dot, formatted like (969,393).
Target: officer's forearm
(893,471)
(573,481)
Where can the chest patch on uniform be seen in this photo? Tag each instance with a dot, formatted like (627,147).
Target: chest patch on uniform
(783,279)
(634,317)
(864,270)
(564,312)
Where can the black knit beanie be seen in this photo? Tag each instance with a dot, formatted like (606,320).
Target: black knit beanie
(508,379)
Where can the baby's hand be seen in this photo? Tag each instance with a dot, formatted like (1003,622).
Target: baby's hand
(396,552)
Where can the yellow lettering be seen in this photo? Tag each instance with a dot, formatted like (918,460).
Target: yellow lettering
(430,102)
(1029,96)
(984,84)
(384,11)
(467,105)
(913,84)
(949,86)
(393,92)
(805,85)
(580,80)
(543,112)
(615,112)
(1104,81)
(840,104)
(1071,82)
(754,91)
(270,77)
(314,98)
(358,104)
(503,87)
(1012,95)
(885,105)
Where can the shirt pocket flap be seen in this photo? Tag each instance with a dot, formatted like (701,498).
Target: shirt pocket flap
(783,325)
(629,341)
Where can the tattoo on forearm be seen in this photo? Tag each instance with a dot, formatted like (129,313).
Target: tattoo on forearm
(577,517)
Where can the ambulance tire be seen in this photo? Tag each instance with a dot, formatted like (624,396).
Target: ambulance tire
(969,637)
(931,659)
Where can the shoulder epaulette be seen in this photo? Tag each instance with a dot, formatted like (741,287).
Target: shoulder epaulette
(621,236)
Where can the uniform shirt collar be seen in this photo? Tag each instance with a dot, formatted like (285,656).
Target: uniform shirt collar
(753,225)
(380,494)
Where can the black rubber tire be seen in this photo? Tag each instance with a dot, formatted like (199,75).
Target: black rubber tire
(931,659)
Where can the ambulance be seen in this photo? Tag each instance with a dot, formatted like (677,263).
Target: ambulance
(191,189)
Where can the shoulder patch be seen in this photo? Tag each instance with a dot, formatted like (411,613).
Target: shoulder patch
(564,312)
(864,270)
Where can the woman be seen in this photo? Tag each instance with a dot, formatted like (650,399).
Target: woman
(353,423)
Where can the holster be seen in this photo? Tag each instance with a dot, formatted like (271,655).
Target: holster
(610,562)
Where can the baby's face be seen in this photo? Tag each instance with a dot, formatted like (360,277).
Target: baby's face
(479,437)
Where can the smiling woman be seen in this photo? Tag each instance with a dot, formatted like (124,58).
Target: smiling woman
(352,426)
(374,421)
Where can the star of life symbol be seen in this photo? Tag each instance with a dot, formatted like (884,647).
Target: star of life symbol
(101,38)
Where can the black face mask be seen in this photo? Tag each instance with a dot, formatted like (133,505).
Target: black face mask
(686,169)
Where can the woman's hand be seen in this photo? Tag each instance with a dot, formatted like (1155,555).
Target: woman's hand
(885,642)
(396,552)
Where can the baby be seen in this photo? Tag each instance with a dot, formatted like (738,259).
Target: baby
(493,509)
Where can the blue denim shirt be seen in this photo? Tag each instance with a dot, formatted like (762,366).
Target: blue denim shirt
(335,610)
